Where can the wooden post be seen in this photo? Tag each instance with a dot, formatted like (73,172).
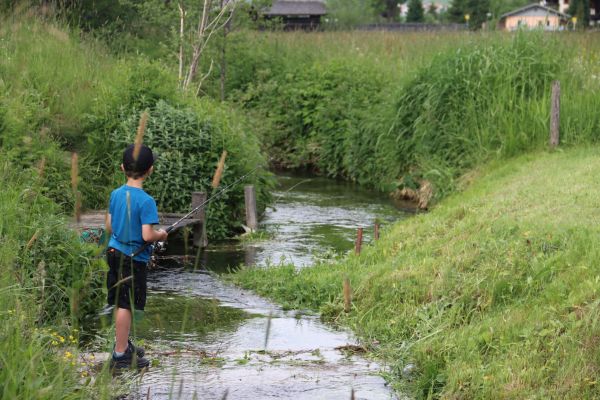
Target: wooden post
(200,239)
(250,200)
(376,234)
(358,243)
(555,115)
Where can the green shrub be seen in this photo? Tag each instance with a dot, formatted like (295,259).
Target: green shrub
(189,143)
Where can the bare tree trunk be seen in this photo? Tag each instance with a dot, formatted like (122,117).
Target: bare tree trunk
(198,46)
(181,38)
(223,54)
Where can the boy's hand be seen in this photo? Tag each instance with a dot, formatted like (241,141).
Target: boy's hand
(163,235)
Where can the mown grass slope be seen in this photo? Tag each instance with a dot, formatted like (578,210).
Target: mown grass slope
(494,294)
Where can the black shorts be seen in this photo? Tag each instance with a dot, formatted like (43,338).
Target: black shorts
(126,281)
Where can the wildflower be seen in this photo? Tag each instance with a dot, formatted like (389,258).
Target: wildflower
(68,355)
(84,374)
(54,343)
(62,339)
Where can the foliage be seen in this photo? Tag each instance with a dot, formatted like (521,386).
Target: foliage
(477,10)
(349,13)
(376,114)
(47,107)
(489,296)
(416,12)
(189,143)
(581,10)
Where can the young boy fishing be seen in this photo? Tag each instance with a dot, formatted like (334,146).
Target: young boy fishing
(129,223)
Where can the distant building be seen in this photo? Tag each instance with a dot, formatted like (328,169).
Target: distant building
(297,14)
(534,16)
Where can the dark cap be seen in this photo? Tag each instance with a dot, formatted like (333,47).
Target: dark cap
(144,160)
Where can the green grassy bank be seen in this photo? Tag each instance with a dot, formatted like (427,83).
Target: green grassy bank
(494,294)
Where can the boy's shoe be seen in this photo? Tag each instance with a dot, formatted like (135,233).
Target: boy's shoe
(129,359)
(139,351)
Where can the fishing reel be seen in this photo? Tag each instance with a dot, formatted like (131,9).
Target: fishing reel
(159,247)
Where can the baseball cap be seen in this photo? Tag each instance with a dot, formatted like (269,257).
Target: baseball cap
(144,160)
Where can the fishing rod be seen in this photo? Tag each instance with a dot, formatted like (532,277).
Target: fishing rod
(173,226)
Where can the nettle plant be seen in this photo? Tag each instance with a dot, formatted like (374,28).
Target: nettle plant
(189,143)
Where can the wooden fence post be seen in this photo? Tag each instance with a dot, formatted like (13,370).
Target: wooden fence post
(358,243)
(376,233)
(250,201)
(200,239)
(555,115)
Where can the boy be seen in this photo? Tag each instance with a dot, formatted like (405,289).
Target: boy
(131,214)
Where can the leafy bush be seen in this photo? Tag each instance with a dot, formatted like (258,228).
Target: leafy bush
(189,143)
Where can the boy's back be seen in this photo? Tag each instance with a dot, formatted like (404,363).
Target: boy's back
(130,208)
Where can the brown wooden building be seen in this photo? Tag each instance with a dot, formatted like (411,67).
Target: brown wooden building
(297,14)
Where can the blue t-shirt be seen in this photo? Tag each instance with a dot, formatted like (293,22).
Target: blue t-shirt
(129,209)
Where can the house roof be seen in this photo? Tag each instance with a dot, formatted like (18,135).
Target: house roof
(533,7)
(297,7)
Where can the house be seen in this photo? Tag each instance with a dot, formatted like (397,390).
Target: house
(297,14)
(533,16)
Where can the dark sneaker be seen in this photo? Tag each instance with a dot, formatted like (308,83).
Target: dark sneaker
(139,351)
(129,359)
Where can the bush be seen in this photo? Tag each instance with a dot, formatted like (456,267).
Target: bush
(189,143)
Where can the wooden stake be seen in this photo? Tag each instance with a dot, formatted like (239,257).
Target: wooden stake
(555,115)
(250,203)
(358,243)
(376,233)
(219,171)
(347,295)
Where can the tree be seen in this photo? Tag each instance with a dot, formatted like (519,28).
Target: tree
(457,11)
(477,10)
(432,11)
(580,9)
(388,9)
(416,13)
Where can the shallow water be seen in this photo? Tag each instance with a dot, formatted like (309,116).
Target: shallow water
(209,339)
(312,219)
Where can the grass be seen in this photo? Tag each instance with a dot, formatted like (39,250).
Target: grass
(417,107)
(494,294)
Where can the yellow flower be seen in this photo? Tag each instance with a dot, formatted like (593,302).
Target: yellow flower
(62,339)
(54,343)
(68,354)
(84,374)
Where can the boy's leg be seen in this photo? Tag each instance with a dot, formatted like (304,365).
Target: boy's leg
(122,328)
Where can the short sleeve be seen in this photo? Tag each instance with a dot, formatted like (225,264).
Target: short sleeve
(149,212)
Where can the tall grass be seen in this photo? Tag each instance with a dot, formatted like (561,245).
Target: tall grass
(49,281)
(383,109)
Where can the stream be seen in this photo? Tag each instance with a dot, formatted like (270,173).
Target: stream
(211,340)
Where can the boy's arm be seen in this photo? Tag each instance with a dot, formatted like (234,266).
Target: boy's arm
(150,235)
(108,224)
